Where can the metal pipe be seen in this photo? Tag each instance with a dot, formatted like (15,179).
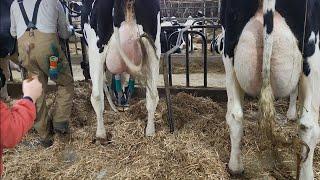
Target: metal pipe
(191,41)
(187,60)
(205,64)
(165,75)
(170,70)
(168,96)
(205,58)
(194,27)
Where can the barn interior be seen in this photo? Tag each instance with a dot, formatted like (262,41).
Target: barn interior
(199,147)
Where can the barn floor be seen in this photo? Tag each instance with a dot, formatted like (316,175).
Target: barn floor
(199,149)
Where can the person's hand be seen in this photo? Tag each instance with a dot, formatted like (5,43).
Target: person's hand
(32,88)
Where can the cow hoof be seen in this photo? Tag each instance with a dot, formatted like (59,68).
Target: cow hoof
(235,174)
(291,115)
(150,134)
(150,131)
(102,141)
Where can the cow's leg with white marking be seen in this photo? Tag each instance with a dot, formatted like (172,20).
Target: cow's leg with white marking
(310,99)
(96,63)
(152,97)
(234,116)
(292,111)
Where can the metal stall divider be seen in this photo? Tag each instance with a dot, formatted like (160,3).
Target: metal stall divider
(167,69)
(166,75)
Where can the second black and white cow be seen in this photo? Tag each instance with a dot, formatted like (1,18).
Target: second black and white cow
(268,46)
(217,45)
(124,36)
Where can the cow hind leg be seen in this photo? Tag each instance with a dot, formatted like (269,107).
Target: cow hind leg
(152,68)
(152,97)
(292,111)
(234,117)
(97,96)
(96,63)
(310,99)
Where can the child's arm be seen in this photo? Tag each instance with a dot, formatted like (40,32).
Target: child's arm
(15,122)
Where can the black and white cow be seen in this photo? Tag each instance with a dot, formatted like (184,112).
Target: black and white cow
(217,45)
(269,45)
(124,36)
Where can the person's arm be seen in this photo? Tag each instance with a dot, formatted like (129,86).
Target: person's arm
(13,28)
(15,122)
(64,29)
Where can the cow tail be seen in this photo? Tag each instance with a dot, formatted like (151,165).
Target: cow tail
(266,103)
(148,40)
(135,69)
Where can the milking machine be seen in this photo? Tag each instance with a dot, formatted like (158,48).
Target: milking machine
(122,96)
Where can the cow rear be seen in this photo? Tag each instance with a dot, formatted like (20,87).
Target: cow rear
(291,44)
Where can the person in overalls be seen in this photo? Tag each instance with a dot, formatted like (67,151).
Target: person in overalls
(37,24)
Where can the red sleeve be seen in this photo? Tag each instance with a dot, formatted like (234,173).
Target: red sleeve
(15,122)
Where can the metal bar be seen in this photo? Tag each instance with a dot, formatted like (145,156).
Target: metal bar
(214,40)
(194,27)
(168,96)
(187,60)
(170,70)
(204,51)
(210,20)
(205,64)
(168,44)
(165,75)
(205,58)
(183,18)
(191,40)
(177,8)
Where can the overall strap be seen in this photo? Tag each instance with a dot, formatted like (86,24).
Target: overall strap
(30,24)
(35,12)
(23,12)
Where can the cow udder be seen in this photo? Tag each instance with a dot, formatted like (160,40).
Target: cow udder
(129,42)
(286,58)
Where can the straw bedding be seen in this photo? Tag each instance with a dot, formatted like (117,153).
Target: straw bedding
(199,149)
